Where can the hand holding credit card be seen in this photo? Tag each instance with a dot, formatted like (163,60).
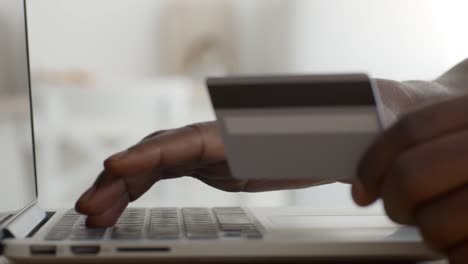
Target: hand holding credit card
(296,127)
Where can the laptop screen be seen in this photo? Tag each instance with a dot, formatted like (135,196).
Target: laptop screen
(17,167)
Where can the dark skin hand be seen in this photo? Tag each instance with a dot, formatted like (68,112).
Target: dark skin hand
(194,150)
(418,166)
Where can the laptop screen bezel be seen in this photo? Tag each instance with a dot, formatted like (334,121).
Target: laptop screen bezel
(31,112)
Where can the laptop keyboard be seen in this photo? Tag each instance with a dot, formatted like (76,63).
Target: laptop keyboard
(161,224)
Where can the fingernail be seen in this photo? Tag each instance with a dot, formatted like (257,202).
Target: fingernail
(119,156)
(358,192)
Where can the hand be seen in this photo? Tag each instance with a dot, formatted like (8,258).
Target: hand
(419,167)
(196,150)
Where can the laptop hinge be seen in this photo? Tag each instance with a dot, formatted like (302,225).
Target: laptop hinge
(25,223)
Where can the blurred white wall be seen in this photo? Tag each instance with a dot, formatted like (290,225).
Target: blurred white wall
(451,17)
(106,37)
(397,39)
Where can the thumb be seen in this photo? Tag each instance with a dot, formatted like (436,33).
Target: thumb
(359,194)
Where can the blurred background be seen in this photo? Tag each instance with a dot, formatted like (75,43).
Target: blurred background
(105,73)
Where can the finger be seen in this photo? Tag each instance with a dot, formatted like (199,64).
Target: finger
(443,223)
(138,184)
(134,171)
(101,196)
(456,77)
(266,185)
(413,129)
(195,143)
(423,173)
(219,176)
(110,216)
(154,134)
(459,255)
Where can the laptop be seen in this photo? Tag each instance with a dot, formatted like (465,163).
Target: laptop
(30,234)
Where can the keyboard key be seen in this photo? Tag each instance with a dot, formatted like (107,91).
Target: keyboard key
(58,235)
(232,234)
(152,236)
(88,234)
(64,227)
(202,235)
(199,224)
(228,210)
(126,234)
(130,225)
(252,234)
(164,231)
(164,224)
(234,221)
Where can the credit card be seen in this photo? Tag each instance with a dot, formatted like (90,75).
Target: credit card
(296,127)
